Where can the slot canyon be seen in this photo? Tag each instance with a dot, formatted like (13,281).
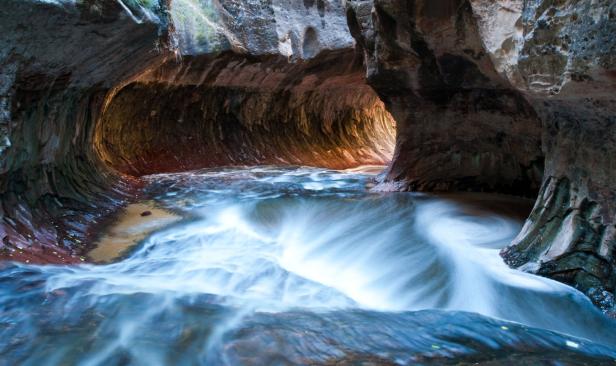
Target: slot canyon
(307,182)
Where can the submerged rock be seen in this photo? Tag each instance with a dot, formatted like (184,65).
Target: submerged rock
(133,224)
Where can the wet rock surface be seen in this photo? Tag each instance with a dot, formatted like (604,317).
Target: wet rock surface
(537,83)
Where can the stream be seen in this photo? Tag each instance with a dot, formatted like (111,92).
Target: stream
(303,266)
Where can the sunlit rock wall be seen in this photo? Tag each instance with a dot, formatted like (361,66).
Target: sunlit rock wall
(252,82)
(232,111)
(297,29)
(64,62)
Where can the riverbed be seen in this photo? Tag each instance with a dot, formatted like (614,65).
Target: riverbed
(296,265)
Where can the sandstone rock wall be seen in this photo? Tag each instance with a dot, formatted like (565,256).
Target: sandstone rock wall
(567,64)
(231,111)
(296,29)
(64,62)
(507,84)
(460,124)
(57,62)
(252,82)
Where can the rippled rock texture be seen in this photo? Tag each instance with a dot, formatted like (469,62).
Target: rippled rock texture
(486,93)
(231,110)
(58,60)
(94,89)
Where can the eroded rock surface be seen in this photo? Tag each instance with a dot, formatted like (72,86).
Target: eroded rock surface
(460,124)
(478,86)
(253,83)
(296,29)
(58,61)
(230,111)
(91,87)
(568,66)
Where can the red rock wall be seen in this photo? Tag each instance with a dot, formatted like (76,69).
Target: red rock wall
(233,111)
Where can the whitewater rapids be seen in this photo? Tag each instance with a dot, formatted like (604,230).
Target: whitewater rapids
(292,265)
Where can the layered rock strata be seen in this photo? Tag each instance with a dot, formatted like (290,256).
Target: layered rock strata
(460,124)
(235,111)
(486,93)
(58,61)
(73,118)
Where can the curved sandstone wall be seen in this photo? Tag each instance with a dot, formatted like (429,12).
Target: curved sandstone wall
(58,61)
(233,111)
(503,88)
(93,89)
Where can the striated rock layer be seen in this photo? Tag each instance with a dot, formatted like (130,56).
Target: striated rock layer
(230,110)
(486,93)
(92,89)
(58,60)
(460,124)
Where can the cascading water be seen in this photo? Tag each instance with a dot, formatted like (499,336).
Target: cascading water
(276,266)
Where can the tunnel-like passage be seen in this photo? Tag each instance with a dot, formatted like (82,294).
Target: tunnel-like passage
(232,111)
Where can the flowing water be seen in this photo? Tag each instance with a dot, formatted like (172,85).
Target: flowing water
(278,266)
